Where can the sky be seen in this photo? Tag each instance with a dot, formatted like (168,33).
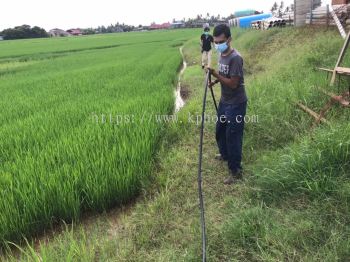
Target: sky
(66,14)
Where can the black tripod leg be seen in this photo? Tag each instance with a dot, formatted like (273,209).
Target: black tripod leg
(212,94)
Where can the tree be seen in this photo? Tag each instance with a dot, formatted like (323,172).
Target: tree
(230,17)
(282,5)
(89,31)
(23,32)
(37,32)
(274,7)
(280,9)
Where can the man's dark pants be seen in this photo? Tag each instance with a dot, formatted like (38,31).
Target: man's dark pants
(229,133)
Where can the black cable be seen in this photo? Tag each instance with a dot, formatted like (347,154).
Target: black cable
(212,95)
(200,192)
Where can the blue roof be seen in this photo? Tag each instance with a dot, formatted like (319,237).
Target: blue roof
(244,22)
(244,12)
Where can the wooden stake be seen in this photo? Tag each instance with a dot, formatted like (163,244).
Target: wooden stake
(340,58)
(312,113)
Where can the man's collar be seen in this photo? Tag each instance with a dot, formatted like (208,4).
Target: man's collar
(231,51)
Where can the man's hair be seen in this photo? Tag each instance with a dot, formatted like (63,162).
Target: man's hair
(207,29)
(222,29)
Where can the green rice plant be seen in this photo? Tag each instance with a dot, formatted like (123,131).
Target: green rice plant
(62,151)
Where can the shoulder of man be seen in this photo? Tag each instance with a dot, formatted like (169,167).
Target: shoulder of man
(236,64)
(236,57)
(236,53)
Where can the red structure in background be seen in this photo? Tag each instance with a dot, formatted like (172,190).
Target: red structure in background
(155,26)
(340,2)
(75,32)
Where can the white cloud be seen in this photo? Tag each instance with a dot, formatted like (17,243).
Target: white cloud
(89,13)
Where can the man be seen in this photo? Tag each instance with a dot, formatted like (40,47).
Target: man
(206,42)
(233,103)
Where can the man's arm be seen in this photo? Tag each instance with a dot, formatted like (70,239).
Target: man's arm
(232,82)
(235,73)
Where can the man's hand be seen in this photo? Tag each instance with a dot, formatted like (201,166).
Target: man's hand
(232,82)
(213,83)
(213,72)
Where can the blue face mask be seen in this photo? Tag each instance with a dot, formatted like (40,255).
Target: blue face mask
(221,48)
(206,33)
